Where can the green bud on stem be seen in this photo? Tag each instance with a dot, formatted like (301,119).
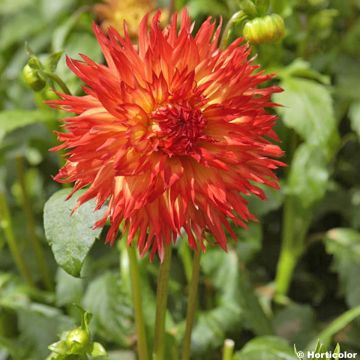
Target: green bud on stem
(32,78)
(266,29)
(77,341)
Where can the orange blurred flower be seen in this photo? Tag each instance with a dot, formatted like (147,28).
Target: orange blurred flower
(114,12)
(172,134)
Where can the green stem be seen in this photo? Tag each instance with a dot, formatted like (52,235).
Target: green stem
(6,225)
(35,241)
(237,17)
(57,80)
(228,349)
(137,301)
(335,326)
(292,242)
(191,307)
(289,252)
(161,305)
(185,254)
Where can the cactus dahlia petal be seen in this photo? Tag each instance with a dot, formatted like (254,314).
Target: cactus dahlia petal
(172,133)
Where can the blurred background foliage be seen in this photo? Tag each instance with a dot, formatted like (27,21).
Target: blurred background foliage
(292,278)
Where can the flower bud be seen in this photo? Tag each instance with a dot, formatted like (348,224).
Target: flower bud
(32,78)
(77,340)
(267,29)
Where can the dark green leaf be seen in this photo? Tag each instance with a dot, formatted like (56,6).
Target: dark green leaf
(344,245)
(13,119)
(249,241)
(9,7)
(354,115)
(111,308)
(69,289)
(300,68)
(308,175)
(296,323)
(200,7)
(20,28)
(309,111)
(274,199)
(70,236)
(52,60)
(237,305)
(266,348)
(49,323)
(97,350)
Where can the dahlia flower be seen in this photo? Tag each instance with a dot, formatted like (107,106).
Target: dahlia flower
(114,12)
(172,133)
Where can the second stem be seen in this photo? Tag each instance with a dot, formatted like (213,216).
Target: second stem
(137,300)
(161,305)
(191,307)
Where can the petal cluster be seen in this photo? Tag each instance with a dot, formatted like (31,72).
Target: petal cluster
(172,133)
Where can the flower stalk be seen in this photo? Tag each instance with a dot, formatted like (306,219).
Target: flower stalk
(191,307)
(35,241)
(56,79)
(161,305)
(228,349)
(137,301)
(236,18)
(294,228)
(6,225)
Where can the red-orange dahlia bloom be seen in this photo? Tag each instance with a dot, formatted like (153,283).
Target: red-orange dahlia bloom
(173,133)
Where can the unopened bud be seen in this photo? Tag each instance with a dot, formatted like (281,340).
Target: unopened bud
(267,29)
(77,340)
(32,78)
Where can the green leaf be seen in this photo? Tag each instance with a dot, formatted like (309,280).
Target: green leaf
(273,201)
(249,241)
(302,69)
(337,350)
(39,325)
(336,326)
(354,115)
(295,323)
(70,236)
(59,347)
(121,354)
(97,350)
(344,245)
(9,7)
(212,325)
(77,43)
(266,348)
(52,60)
(111,308)
(236,305)
(61,32)
(69,289)
(282,7)
(249,7)
(308,175)
(309,111)
(348,78)
(209,7)
(13,119)
(20,27)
